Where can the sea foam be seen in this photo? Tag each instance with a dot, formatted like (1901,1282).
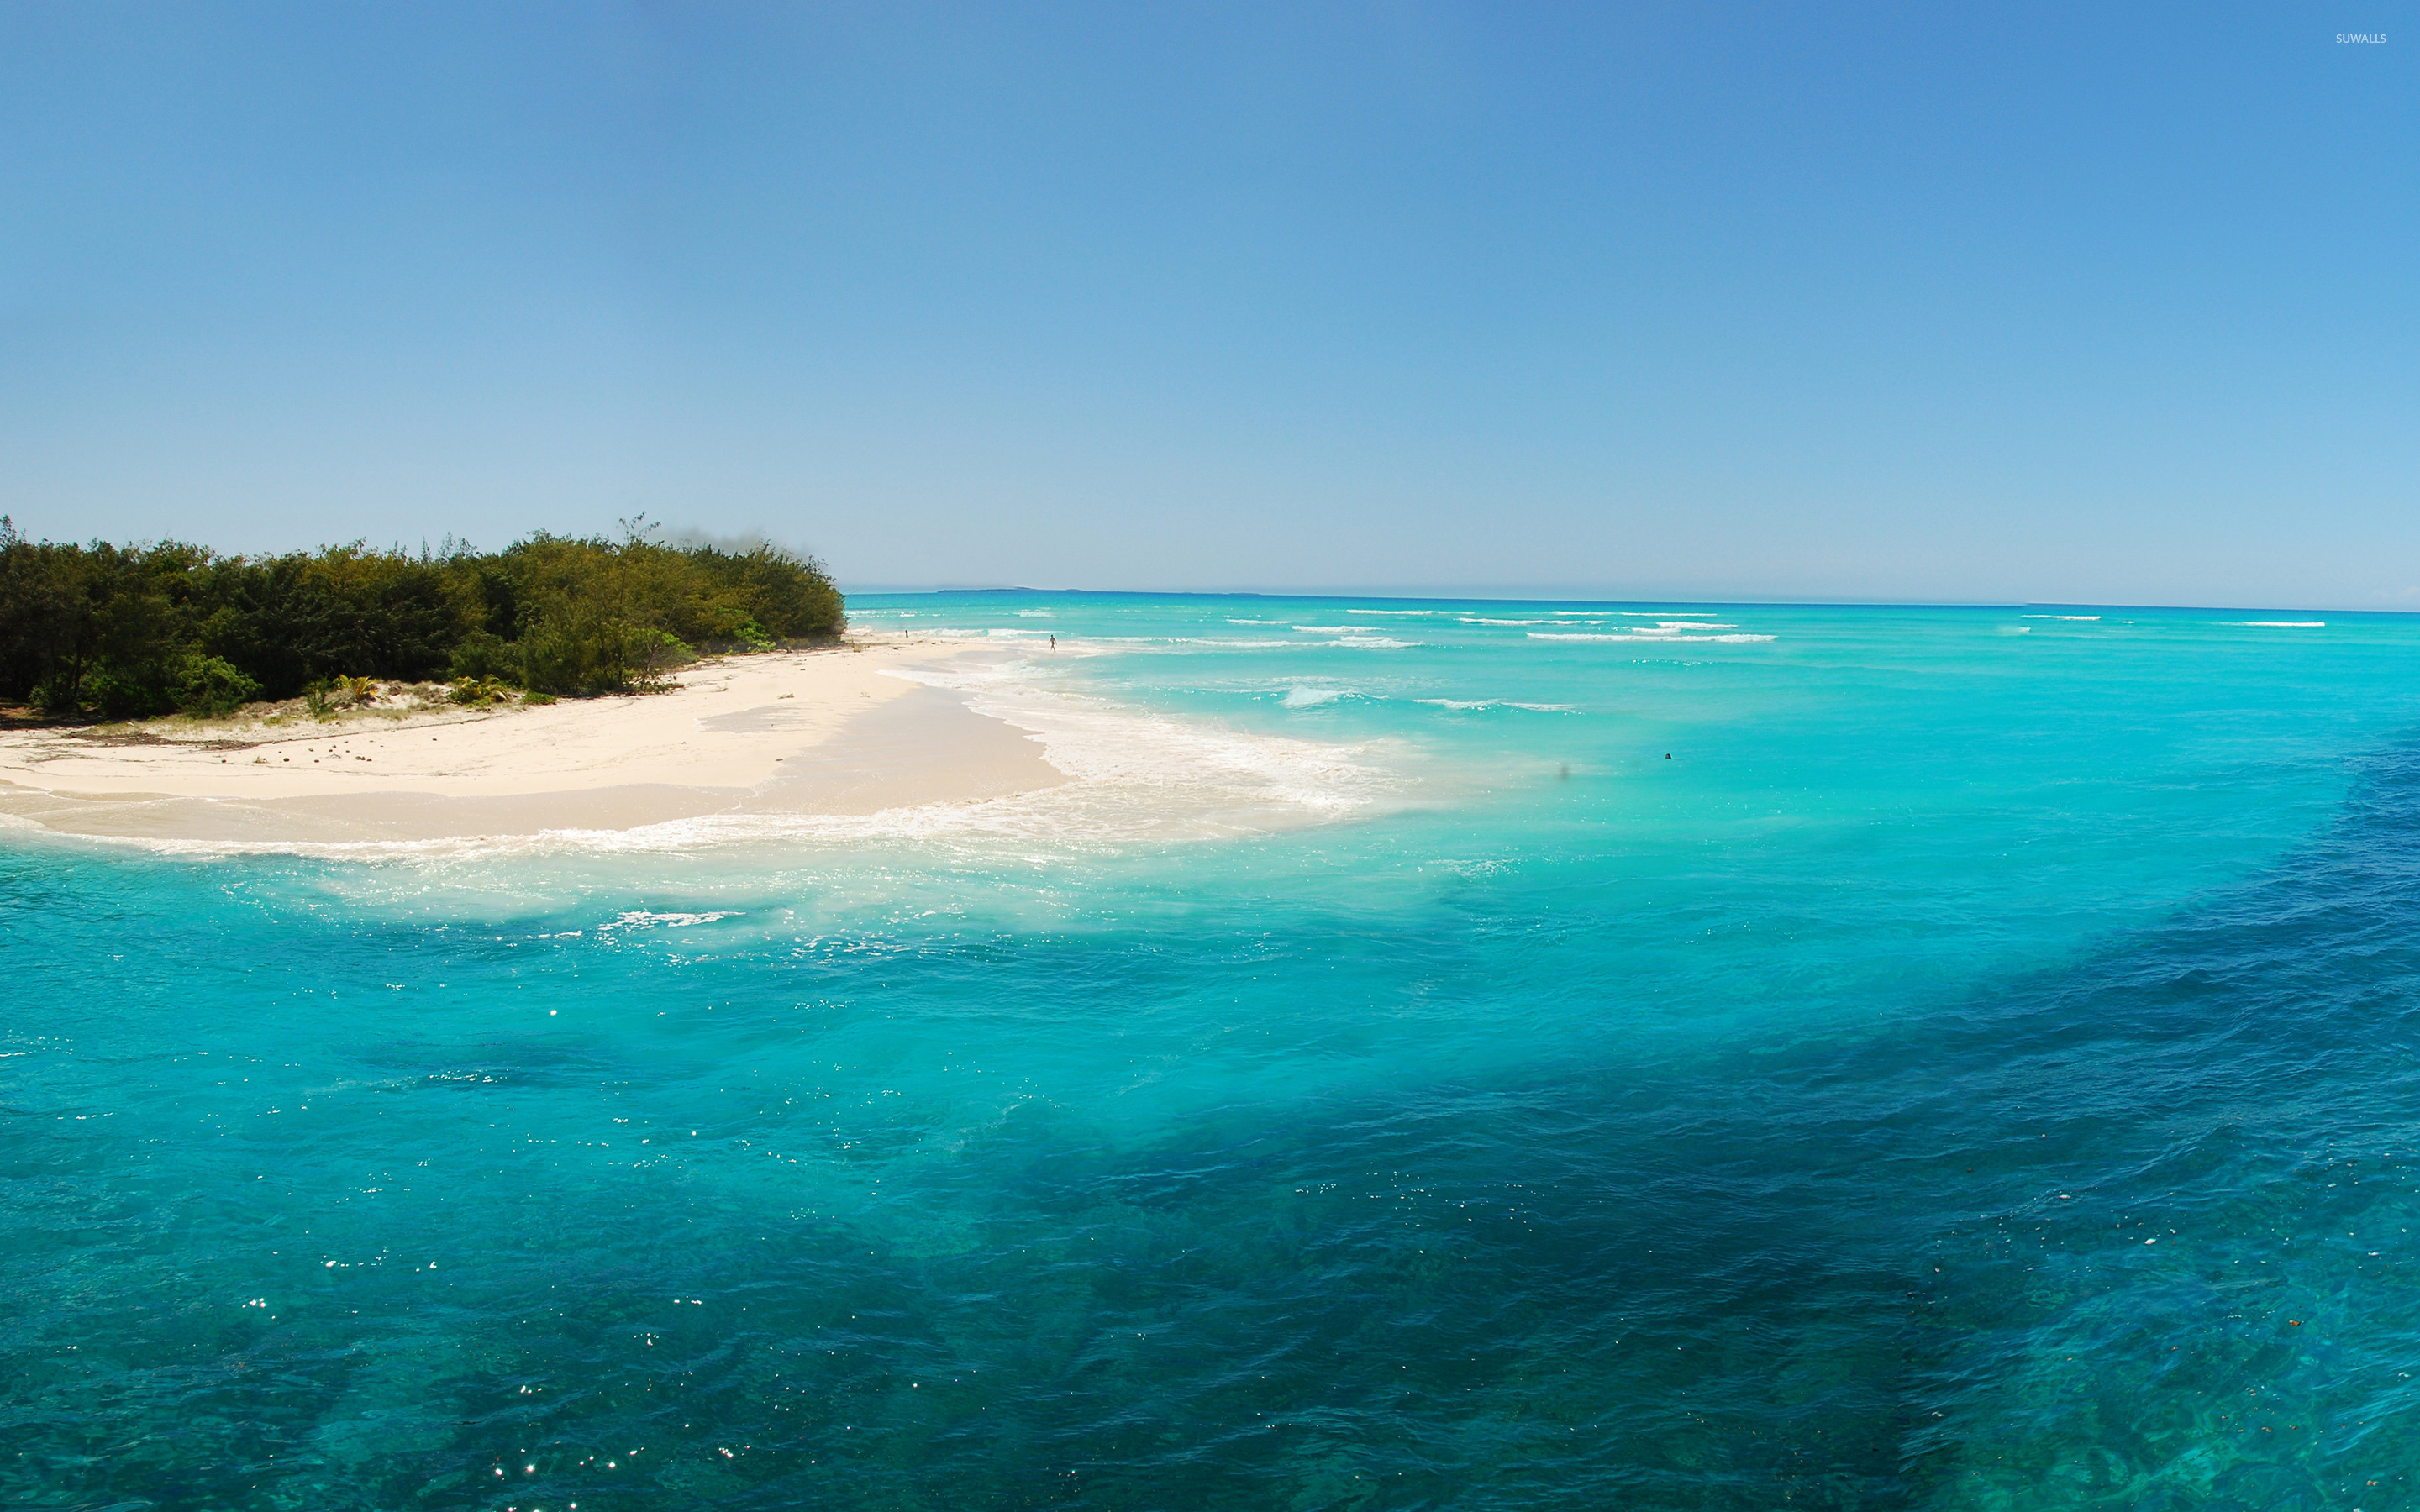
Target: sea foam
(1646,638)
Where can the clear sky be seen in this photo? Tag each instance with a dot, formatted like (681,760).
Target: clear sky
(2056,302)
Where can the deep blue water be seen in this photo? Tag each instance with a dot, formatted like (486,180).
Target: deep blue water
(1977,1070)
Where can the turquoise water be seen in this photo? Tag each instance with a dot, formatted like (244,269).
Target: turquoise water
(1977,1068)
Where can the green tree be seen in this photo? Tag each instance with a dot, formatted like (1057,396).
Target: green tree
(128,630)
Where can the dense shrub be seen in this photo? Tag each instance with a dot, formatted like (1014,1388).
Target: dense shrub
(210,684)
(125,631)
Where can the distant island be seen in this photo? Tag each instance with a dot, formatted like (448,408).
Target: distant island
(127,632)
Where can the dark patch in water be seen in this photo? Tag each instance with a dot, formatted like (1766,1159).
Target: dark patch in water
(2130,1233)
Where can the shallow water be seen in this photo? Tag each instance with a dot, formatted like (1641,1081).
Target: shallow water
(1976,1070)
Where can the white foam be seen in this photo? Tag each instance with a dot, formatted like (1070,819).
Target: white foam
(1647,638)
(1462,706)
(640,919)
(1311,697)
(1035,614)
(2082,617)
(2283,625)
(1336,630)
(1138,774)
(1512,622)
(1259,622)
(1136,643)
(1399,611)
(1648,614)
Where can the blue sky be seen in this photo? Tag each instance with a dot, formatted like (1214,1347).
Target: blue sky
(2085,304)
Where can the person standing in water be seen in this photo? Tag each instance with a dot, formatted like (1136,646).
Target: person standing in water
(1054,642)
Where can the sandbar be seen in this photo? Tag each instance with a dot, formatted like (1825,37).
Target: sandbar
(832,730)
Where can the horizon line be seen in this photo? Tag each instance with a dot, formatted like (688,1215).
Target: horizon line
(1531,595)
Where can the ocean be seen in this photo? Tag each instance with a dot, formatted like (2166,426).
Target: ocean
(1467,1054)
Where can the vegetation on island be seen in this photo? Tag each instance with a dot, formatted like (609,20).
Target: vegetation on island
(126,631)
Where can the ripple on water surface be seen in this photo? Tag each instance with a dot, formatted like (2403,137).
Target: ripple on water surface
(1527,1154)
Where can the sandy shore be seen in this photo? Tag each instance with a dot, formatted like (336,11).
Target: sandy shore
(815,732)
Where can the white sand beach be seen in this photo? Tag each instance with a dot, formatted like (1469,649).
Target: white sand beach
(826,731)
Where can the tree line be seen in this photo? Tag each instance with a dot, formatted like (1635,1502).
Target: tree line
(125,631)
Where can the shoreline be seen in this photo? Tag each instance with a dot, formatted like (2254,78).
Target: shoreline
(829,731)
